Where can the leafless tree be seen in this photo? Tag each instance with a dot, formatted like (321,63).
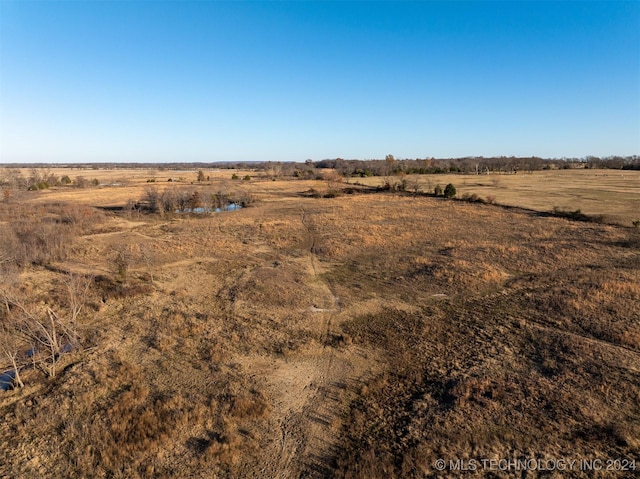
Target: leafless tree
(169,200)
(123,259)
(42,328)
(429,185)
(149,259)
(9,251)
(152,199)
(334,179)
(415,184)
(182,199)
(78,290)
(49,333)
(130,207)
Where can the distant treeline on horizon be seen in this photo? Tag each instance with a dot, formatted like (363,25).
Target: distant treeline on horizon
(378,167)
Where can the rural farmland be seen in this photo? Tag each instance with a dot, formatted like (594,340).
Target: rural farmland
(331,327)
(319,239)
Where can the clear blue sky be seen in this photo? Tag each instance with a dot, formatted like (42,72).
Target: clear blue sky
(217,81)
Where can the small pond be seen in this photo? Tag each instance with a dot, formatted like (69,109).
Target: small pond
(201,210)
(6,380)
(7,377)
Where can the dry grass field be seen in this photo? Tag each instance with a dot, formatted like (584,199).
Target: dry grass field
(361,336)
(614,194)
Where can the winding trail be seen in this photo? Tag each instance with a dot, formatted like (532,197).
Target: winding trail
(310,391)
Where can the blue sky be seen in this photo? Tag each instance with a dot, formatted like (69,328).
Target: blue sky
(239,81)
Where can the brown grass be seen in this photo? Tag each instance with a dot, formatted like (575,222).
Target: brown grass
(365,335)
(610,193)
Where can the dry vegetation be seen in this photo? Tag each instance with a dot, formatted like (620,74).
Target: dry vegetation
(359,336)
(614,194)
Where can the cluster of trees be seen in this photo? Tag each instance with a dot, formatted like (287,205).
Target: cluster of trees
(184,200)
(613,162)
(470,165)
(39,179)
(34,333)
(40,176)
(40,234)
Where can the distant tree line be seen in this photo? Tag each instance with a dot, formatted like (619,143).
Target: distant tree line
(40,178)
(471,165)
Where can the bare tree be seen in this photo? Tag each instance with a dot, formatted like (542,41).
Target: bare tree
(49,333)
(14,178)
(169,200)
(333,179)
(9,249)
(152,199)
(129,207)
(149,258)
(389,167)
(42,328)
(182,200)
(123,260)
(415,184)
(78,290)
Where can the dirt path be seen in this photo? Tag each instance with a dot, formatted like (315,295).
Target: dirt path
(308,394)
(309,391)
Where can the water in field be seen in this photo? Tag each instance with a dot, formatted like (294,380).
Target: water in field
(202,210)
(7,377)
(6,380)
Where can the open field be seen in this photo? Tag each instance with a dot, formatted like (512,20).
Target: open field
(361,336)
(614,194)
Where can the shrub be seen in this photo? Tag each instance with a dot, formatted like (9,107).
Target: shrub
(450,191)
(195,201)
(437,190)
(577,215)
(636,223)
(331,194)
(234,176)
(122,261)
(247,178)
(472,198)
(572,215)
